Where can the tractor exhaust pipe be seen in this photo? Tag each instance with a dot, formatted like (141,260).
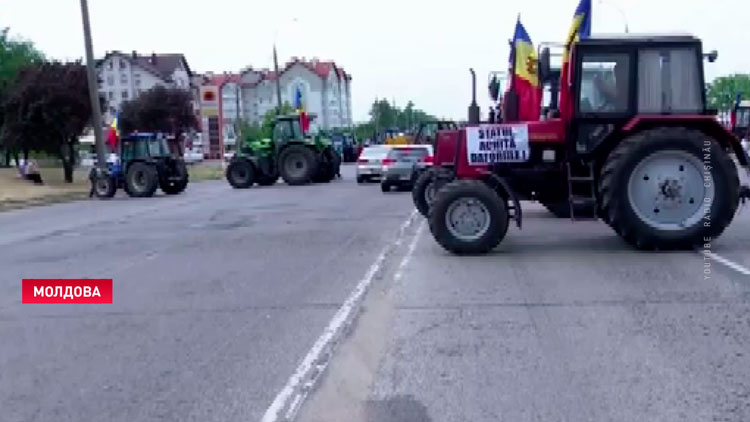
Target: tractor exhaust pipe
(473,108)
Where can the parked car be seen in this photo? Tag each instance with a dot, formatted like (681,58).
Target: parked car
(403,164)
(193,156)
(369,163)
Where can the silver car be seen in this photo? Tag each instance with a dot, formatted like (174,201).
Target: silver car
(403,163)
(370,163)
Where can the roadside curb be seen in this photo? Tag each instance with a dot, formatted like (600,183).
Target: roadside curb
(15,204)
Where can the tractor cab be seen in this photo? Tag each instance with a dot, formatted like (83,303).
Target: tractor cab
(613,79)
(286,128)
(427,132)
(144,147)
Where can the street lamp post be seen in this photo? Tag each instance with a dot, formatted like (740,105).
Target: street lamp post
(276,67)
(93,88)
(619,9)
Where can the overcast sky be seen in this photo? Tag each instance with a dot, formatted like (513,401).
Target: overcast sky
(398,49)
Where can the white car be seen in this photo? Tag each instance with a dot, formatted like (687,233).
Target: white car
(192,156)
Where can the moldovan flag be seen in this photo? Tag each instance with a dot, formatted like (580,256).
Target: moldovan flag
(580,29)
(304,121)
(525,80)
(113,134)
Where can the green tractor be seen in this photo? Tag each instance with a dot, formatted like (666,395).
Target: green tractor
(146,161)
(297,157)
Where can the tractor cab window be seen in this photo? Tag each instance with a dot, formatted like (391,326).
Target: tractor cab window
(669,81)
(282,130)
(157,147)
(296,129)
(135,149)
(604,83)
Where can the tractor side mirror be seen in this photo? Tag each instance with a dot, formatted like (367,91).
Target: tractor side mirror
(711,56)
(494,89)
(544,64)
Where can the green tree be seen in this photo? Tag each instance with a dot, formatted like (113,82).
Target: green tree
(722,91)
(15,55)
(47,109)
(160,109)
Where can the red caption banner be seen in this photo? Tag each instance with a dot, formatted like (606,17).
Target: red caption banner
(56,290)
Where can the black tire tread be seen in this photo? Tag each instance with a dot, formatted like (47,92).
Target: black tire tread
(445,196)
(417,192)
(630,230)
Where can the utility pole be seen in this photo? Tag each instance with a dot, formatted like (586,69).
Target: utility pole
(96,111)
(278,79)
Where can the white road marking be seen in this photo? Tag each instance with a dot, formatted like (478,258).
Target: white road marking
(733,265)
(409,252)
(291,396)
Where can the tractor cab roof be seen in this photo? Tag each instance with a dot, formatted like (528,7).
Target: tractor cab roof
(638,39)
(287,117)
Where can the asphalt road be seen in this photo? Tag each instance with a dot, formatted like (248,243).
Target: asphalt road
(217,295)
(563,322)
(220,294)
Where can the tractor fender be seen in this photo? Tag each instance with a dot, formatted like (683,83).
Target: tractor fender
(705,123)
(500,185)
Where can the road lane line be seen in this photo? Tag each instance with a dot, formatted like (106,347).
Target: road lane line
(407,258)
(289,399)
(733,265)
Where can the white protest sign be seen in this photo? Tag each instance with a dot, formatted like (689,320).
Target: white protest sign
(488,144)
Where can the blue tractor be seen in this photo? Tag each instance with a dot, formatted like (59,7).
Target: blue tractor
(145,162)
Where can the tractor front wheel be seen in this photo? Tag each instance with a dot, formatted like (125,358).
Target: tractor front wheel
(468,217)
(104,185)
(669,188)
(141,180)
(298,164)
(240,174)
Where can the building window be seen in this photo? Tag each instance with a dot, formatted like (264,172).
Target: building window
(109,65)
(124,95)
(137,79)
(123,64)
(123,78)
(110,95)
(110,79)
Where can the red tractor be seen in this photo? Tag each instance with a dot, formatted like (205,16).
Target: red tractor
(637,147)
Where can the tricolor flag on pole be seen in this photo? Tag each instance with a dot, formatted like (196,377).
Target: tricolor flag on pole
(580,29)
(303,120)
(525,75)
(113,134)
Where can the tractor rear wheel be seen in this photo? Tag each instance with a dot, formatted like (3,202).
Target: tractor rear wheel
(423,192)
(669,188)
(179,174)
(240,174)
(298,164)
(468,217)
(141,180)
